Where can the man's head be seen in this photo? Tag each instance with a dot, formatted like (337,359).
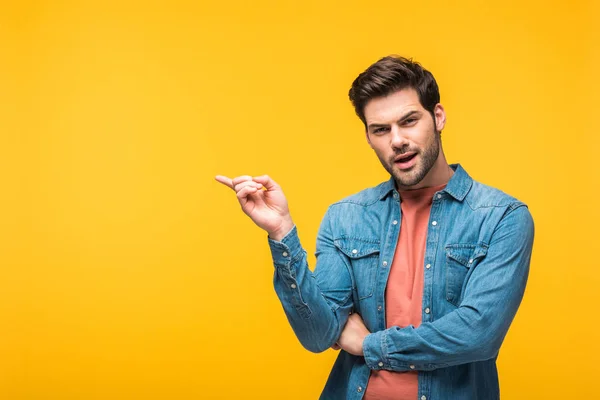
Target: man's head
(398,102)
(391,74)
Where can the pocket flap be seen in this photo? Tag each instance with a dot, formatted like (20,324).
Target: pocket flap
(466,254)
(356,248)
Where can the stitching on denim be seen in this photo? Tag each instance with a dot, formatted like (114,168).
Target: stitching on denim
(298,256)
(384,348)
(472,207)
(356,202)
(302,308)
(335,307)
(370,241)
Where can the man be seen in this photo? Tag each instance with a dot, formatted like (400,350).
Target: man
(417,279)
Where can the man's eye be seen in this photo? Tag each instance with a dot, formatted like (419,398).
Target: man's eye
(410,121)
(380,130)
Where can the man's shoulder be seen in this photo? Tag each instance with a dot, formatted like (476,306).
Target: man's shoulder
(482,195)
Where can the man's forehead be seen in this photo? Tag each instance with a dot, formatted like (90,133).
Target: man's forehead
(392,107)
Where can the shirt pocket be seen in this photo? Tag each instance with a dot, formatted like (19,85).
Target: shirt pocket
(460,259)
(364,259)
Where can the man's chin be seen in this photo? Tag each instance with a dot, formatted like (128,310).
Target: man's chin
(406,178)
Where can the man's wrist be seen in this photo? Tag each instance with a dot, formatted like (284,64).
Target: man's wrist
(361,342)
(373,350)
(282,231)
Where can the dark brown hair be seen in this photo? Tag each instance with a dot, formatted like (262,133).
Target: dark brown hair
(391,74)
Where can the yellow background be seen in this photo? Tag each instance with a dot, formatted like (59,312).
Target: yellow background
(127,272)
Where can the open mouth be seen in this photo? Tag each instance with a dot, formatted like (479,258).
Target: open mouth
(406,158)
(405,161)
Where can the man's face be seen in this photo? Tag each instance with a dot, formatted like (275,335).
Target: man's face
(404,136)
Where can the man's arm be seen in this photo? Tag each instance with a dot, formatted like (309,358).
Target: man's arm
(475,330)
(316,304)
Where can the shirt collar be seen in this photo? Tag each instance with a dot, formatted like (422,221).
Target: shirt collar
(458,186)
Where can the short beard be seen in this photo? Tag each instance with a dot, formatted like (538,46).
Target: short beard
(428,159)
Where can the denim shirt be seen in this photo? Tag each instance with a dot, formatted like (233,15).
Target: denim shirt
(476,262)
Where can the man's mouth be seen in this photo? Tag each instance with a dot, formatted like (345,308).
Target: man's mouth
(405,157)
(405,161)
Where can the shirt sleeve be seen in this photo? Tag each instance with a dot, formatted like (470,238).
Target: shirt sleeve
(475,330)
(316,304)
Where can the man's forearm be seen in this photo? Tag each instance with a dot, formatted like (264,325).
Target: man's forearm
(316,320)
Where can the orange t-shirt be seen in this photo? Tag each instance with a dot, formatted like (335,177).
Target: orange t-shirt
(404,291)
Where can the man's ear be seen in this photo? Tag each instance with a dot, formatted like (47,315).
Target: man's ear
(440,117)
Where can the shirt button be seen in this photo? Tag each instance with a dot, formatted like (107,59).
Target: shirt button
(293,286)
(380,364)
(427,310)
(434,223)
(379,308)
(359,389)
(385,263)
(423,398)
(285,254)
(428,266)
(354,251)
(471,261)
(395,222)
(439,196)
(411,366)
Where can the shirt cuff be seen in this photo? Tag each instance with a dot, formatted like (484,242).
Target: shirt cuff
(375,349)
(286,250)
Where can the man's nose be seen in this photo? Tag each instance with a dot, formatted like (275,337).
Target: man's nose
(399,141)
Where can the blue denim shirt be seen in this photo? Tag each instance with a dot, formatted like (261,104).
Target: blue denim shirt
(476,262)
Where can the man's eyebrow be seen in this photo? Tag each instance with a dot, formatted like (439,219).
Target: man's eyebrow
(408,115)
(375,126)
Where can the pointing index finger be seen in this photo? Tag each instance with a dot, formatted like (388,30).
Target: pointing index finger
(224,180)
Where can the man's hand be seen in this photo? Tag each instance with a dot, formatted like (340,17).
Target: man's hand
(267,208)
(353,336)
